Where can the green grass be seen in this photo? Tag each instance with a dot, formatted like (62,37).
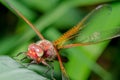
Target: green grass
(55,17)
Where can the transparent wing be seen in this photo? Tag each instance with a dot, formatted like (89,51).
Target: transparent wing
(83,35)
(60,41)
(93,38)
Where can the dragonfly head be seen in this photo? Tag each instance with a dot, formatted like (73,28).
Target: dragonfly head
(35,52)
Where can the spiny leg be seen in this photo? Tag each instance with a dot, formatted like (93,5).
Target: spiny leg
(15,57)
(23,58)
(50,67)
(19,54)
(52,73)
(32,62)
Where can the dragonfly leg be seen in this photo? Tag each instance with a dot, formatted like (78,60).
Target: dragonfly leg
(15,57)
(50,67)
(20,54)
(23,58)
(52,73)
(32,62)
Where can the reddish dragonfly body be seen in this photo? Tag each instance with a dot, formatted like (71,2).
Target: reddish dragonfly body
(41,51)
(44,50)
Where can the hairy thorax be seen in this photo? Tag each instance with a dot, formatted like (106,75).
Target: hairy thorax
(48,49)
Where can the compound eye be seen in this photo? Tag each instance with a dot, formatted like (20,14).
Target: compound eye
(35,51)
(39,52)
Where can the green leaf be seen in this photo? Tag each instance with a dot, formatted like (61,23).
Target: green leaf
(11,70)
(81,59)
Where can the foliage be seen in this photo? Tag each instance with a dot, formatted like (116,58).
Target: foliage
(52,18)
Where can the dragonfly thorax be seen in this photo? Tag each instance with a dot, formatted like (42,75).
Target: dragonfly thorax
(42,50)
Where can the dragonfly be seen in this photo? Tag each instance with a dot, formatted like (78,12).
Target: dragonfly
(45,50)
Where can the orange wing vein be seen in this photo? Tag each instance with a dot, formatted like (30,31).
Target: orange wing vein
(72,32)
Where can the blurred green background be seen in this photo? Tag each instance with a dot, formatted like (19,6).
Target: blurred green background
(53,18)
